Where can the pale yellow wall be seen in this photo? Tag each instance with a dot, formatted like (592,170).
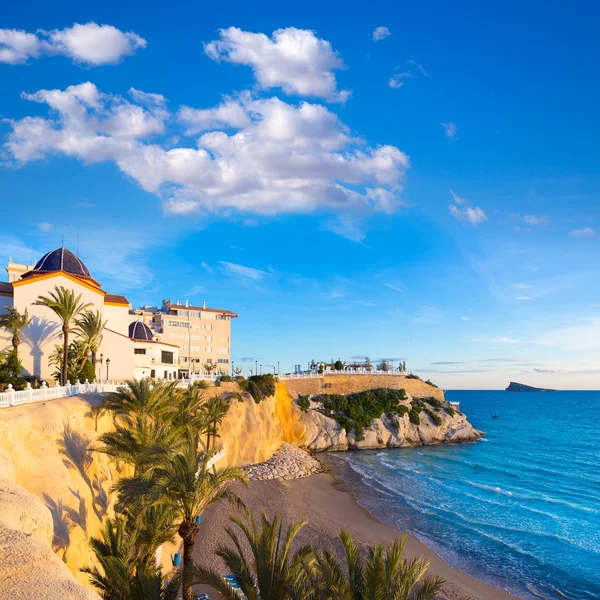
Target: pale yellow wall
(44,332)
(203,349)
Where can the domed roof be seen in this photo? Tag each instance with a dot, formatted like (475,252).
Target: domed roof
(61,259)
(140,331)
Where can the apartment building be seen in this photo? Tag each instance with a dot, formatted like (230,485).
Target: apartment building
(202,334)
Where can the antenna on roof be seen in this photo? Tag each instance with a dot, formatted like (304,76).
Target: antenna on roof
(62,241)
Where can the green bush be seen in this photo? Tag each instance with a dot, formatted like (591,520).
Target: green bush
(202,385)
(413,415)
(403,410)
(450,411)
(87,372)
(253,389)
(434,402)
(429,382)
(413,376)
(240,378)
(226,378)
(436,418)
(260,386)
(303,402)
(357,411)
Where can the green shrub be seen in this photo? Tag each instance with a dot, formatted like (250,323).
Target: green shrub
(413,376)
(240,378)
(253,389)
(202,385)
(303,402)
(434,402)
(429,382)
(450,411)
(226,378)
(360,433)
(413,415)
(436,418)
(87,372)
(403,410)
(357,411)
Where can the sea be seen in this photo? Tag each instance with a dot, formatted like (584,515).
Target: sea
(519,509)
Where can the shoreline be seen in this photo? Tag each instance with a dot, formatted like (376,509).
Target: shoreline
(328,504)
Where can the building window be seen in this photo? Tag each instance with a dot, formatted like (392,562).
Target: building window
(223,361)
(166,358)
(152,373)
(139,350)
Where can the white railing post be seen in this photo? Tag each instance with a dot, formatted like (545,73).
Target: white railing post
(68,388)
(11,394)
(86,386)
(28,392)
(44,390)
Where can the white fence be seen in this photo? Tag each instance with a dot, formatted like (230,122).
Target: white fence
(328,373)
(13,398)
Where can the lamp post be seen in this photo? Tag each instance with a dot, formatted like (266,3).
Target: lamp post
(107,365)
(256,367)
(261,369)
(278,368)
(100,361)
(232,370)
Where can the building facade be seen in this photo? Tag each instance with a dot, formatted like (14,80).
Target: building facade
(202,334)
(124,352)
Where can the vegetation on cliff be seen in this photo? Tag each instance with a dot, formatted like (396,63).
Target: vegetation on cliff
(259,386)
(359,410)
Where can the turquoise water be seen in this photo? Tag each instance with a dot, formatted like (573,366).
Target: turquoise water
(520,510)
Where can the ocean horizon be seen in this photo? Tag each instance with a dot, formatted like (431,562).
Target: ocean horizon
(519,509)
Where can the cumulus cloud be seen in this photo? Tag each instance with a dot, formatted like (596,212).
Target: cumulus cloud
(461,210)
(450,130)
(87,44)
(295,60)
(275,157)
(587,232)
(381,33)
(45,227)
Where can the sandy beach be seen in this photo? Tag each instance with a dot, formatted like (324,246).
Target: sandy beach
(328,506)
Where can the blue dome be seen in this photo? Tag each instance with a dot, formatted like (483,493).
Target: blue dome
(140,331)
(61,259)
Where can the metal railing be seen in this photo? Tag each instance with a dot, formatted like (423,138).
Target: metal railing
(321,375)
(12,397)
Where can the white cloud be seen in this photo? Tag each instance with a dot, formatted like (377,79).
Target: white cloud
(88,44)
(587,232)
(240,271)
(295,60)
(525,298)
(381,33)
(450,130)
(466,214)
(465,318)
(520,286)
(284,158)
(230,113)
(45,227)
(535,220)
(397,80)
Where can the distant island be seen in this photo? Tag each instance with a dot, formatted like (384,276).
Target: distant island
(521,387)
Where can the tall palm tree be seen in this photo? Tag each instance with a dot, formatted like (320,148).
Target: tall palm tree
(182,481)
(15,322)
(89,328)
(215,410)
(267,572)
(378,574)
(67,307)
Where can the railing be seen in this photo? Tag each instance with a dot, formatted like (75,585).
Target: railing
(12,397)
(314,375)
(218,456)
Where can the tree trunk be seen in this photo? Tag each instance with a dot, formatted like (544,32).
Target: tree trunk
(94,359)
(65,354)
(188,530)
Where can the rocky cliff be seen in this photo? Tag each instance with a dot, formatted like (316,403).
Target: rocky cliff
(521,387)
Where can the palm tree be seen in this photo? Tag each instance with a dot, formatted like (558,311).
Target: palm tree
(215,411)
(380,574)
(181,481)
(121,575)
(14,322)
(90,328)
(67,307)
(268,572)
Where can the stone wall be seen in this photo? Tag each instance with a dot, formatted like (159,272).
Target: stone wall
(348,384)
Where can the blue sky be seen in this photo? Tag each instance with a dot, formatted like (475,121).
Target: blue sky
(416,182)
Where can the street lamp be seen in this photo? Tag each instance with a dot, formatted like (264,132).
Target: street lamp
(278,368)
(107,365)
(100,361)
